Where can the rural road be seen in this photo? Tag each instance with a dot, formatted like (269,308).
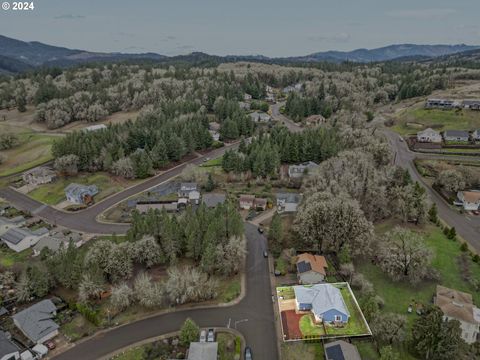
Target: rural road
(468,227)
(252,316)
(290,124)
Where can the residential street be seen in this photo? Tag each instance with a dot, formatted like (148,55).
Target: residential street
(467,227)
(253,316)
(290,124)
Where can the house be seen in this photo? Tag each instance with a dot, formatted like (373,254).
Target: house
(36,322)
(39,175)
(297,171)
(55,239)
(270,97)
(144,206)
(341,350)
(10,223)
(80,194)
(260,204)
(457,305)
(470,199)
(287,202)
(293,88)
(95,127)
(441,104)
(211,200)
(19,239)
(203,351)
(429,135)
(311,269)
(244,105)
(194,197)
(186,188)
(246,201)
(269,89)
(476,135)
(260,117)
(247,97)
(215,135)
(471,104)
(8,349)
(214,126)
(456,135)
(324,301)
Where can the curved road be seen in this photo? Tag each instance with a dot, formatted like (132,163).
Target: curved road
(468,227)
(253,316)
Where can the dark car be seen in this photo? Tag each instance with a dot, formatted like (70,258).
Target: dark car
(277,273)
(248,353)
(50,345)
(260,230)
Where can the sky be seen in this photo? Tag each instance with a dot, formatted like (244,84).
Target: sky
(242,27)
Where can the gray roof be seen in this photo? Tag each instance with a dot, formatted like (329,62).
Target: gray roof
(36,321)
(456,133)
(291,198)
(471,102)
(74,188)
(322,297)
(212,199)
(16,235)
(6,345)
(341,350)
(55,240)
(188,186)
(301,167)
(16,220)
(203,351)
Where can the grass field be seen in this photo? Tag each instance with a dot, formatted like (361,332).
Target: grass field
(411,120)
(9,257)
(213,162)
(398,295)
(229,289)
(309,328)
(34,149)
(54,193)
(302,351)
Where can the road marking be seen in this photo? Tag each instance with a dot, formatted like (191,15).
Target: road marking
(37,210)
(229,323)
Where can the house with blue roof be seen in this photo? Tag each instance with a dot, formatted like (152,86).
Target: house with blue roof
(80,194)
(324,301)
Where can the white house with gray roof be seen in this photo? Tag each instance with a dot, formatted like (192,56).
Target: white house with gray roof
(456,135)
(10,223)
(8,349)
(297,171)
(36,322)
(55,240)
(288,202)
(429,136)
(325,301)
(19,239)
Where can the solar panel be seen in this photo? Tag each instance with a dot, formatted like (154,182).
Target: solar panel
(303,266)
(334,353)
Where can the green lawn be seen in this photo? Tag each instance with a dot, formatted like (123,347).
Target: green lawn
(309,328)
(398,295)
(230,289)
(302,351)
(213,162)
(367,350)
(54,193)
(286,292)
(9,257)
(136,353)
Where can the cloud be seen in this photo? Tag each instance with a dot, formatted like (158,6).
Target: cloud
(331,38)
(69,17)
(421,14)
(185,47)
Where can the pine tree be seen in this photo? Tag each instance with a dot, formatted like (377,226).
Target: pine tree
(275,235)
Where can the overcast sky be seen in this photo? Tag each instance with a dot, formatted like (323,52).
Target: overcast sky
(244,27)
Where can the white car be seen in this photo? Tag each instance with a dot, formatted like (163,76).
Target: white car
(203,336)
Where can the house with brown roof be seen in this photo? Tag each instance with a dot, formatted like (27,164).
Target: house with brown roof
(458,305)
(470,199)
(311,269)
(246,202)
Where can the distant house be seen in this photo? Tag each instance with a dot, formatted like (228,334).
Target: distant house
(244,105)
(270,97)
(8,349)
(214,134)
(80,194)
(457,305)
(341,350)
(288,202)
(55,239)
(471,104)
(293,88)
(211,200)
(10,223)
(441,104)
(247,97)
(311,269)
(186,188)
(456,135)
(470,199)
(194,197)
(429,135)
(203,351)
(214,126)
(36,322)
(260,204)
(19,239)
(260,117)
(476,135)
(324,301)
(39,175)
(144,206)
(246,201)
(95,127)
(297,171)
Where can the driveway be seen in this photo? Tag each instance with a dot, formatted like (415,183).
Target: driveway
(252,316)
(466,226)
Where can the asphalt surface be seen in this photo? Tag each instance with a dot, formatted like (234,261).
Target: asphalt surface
(86,220)
(252,316)
(468,227)
(276,115)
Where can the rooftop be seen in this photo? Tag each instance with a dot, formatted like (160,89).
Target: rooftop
(471,196)
(341,350)
(213,199)
(292,198)
(36,321)
(458,133)
(457,304)
(307,262)
(16,235)
(6,345)
(323,297)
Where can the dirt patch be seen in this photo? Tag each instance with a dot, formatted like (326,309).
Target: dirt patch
(290,324)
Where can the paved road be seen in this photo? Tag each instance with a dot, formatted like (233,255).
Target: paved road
(468,227)
(85,220)
(290,124)
(254,316)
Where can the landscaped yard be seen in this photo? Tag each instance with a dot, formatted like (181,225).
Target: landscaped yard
(9,257)
(414,119)
(229,289)
(309,328)
(398,296)
(213,162)
(54,193)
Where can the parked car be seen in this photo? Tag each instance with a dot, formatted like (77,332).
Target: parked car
(50,345)
(211,335)
(248,354)
(265,254)
(475,212)
(277,273)
(203,336)
(260,230)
